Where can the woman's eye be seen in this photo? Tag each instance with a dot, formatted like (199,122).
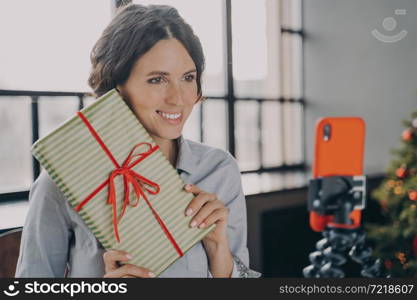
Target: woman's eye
(155,80)
(189,78)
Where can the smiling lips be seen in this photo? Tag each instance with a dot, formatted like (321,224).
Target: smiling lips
(171,118)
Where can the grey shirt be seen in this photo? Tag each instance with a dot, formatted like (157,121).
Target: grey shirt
(55,237)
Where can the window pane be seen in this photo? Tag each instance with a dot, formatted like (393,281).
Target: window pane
(272,139)
(206,19)
(46,44)
(272,181)
(89,100)
(53,111)
(293,134)
(291,64)
(256,32)
(192,126)
(295,179)
(254,183)
(247,135)
(291,14)
(15,134)
(251,183)
(13,214)
(215,123)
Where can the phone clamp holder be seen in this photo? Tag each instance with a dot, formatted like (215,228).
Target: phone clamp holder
(335,198)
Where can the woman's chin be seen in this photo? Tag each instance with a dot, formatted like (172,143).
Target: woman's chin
(168,134)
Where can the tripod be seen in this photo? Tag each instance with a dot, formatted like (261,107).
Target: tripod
(339,196)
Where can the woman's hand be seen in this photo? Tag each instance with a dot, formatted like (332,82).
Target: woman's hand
(115,270)
(207,209)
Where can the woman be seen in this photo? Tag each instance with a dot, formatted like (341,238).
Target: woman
(152,57)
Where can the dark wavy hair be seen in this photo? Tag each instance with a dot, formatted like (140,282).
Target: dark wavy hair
(132,32)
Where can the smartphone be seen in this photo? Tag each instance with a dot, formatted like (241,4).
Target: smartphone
(339,150)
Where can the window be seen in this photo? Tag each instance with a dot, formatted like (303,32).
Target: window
(252,82)
(45,47)
(46,44)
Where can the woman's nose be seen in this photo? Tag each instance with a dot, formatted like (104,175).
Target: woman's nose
(174,94)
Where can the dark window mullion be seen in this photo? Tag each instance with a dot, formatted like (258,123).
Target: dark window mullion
(230,84)
(35,133)
(283,139)
(80,102)
(202,121)
(283,168)
(260,144)
(292,31)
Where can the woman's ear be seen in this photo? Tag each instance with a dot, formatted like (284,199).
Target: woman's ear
(118,89)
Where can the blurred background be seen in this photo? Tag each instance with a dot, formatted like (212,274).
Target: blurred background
(273,67)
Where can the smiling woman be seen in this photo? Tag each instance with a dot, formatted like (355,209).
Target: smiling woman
(155,61)
(162,90)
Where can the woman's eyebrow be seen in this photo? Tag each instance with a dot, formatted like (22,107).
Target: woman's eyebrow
(166,73)
(191,71)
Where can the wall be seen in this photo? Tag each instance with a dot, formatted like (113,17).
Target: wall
(349,72)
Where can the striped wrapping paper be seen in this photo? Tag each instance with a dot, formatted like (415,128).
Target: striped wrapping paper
(78,165)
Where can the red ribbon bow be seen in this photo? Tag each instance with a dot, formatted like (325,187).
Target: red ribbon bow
(130,177)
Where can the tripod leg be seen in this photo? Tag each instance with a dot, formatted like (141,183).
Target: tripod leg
(362,254)
(329,255)
(317,260)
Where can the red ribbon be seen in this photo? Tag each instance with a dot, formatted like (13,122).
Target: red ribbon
(130,177)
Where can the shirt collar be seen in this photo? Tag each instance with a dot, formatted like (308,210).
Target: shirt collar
(186,160)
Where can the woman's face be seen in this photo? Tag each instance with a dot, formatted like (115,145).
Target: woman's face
(162,89)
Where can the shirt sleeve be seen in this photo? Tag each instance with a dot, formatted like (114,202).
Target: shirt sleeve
(46,232)
(234,199)
(240,270)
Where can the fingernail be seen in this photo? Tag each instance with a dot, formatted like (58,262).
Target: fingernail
(151,274)
(188,186)
(193,223)
(128,256)
(189,212)
(202,225)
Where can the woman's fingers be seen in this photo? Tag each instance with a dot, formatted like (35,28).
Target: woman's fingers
(218,214)
(114,270)
(112,257)
(193,189)
(129,270)
(207,209)
(201,198)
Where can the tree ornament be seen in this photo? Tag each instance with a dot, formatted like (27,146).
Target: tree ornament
(384,204)
(390,183)
(412,195)
(414,246)
(398,190)
(388,264)
(401,172)
(407,135)
(401,257)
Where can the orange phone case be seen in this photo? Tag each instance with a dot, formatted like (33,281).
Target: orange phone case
(340,155)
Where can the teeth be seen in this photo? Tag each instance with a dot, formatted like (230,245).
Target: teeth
(169,116)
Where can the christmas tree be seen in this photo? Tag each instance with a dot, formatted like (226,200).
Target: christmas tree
(395,241)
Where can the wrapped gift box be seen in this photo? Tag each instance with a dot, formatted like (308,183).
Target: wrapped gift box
(102,159)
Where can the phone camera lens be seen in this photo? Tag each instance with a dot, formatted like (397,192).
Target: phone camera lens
(326,132)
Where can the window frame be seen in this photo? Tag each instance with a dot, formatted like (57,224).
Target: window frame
(230,99)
